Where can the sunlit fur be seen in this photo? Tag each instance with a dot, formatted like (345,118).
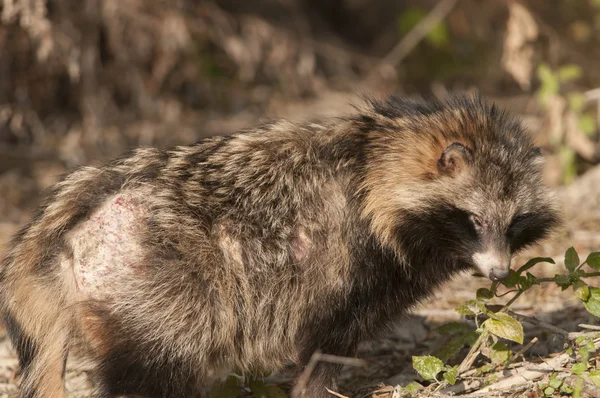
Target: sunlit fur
(246,252)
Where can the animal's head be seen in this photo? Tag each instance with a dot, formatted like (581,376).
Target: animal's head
(458,181)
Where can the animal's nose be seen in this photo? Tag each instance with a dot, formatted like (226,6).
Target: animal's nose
(498,274)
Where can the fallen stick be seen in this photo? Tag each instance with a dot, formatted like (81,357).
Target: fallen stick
(317,357)
(522,351)
(337,394)
(537,322)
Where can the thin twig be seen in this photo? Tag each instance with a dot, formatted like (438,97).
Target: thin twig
(303,379)
(590,335)
(337,394)
(590,327)
(342,360)
(537,322)
(316,357)
(412,38)
(512,300)
(522,351)
(473,353)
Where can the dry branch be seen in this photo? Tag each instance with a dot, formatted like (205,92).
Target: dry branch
(536,322)
(317,357)
(418,33)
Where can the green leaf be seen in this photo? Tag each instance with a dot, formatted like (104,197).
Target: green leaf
(427,366)
(228,388)
(471,337)
(587,124)
(576,275)
(593,302)
(569,72)
(593,260)
(545,74)
(579,368)
(451,374)
(438,35)
(511,280)
(532,279)
(483,369)
(464,309)
(576,101)
(471,307)
(413,388)
(409,19)
(549,83)
(484,293)
(595,377)
(584,352)
(571,259)
(505,326)
(451,328)
(567,157)
(450,348)
(500,353)
(590,346)
(566,389)
(561,279)
(260,390)
(569,351)
(554,382)
(549,391)
(524,282)
(529,264)
(453,346)
(581,290)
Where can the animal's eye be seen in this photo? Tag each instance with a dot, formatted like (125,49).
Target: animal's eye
(527,228)
(519,222)
(520,217)
(476,221)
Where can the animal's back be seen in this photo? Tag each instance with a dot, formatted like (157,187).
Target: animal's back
(175,240)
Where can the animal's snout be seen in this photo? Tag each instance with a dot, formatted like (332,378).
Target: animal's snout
(492,263)
(498,273)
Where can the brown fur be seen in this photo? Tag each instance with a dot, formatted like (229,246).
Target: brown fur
(170,268)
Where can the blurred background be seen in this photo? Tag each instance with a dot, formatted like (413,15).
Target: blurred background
(81,81)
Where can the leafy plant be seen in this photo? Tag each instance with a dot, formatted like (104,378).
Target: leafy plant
(554,84)
(494,323)
(437,37)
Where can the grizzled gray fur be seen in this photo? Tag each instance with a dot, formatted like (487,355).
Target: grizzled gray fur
(166,269)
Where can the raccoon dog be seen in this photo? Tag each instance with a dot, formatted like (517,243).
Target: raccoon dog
(167,269)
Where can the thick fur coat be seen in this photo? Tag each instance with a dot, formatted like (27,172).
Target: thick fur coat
(169,268)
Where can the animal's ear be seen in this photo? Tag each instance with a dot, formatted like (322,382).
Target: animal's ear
(455,159)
